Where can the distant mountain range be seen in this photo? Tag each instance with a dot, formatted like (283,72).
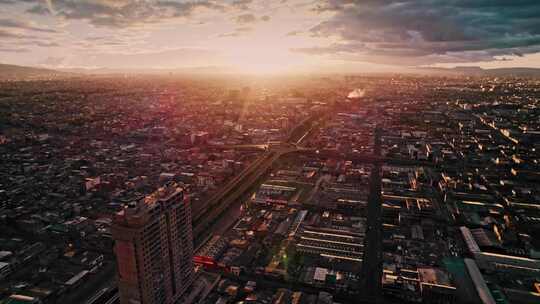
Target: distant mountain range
(478,71)
(11,72)
(187,70)
(17,72)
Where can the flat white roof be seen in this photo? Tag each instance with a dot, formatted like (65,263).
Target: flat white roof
(320,274)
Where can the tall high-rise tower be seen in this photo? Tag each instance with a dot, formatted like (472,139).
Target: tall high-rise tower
(154,248)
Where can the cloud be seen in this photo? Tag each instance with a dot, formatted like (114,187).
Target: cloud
(427,31)
(44,44)
(246,18)
(231,34)
(18,42)
(19,24)
(122,13)
(9,2)
(242,4)
(14,35)
(250,18)
(237,32)
(24,34)
(295,33)
(7,34)
(13,50)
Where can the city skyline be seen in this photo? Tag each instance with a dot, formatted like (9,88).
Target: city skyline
(269,36)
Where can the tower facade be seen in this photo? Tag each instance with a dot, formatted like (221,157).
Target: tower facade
(154,247)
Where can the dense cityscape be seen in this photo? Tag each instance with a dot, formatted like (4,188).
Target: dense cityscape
(316,190)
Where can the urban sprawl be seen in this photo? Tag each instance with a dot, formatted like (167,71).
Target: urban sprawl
(308,190)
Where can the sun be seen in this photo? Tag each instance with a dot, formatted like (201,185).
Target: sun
(266,60)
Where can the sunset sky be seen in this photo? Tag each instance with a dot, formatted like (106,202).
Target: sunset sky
(270,36)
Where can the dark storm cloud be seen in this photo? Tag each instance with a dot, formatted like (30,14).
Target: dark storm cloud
(429,29)
(122,13)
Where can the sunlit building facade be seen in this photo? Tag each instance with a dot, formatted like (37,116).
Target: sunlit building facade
(154,248)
